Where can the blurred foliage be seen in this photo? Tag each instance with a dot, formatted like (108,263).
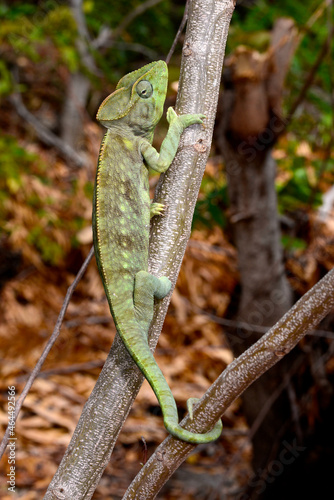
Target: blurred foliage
(14,160)
(212,204)
(315,118)
(299,186)
(297,181)
(38,42)
(39,45)
(38,216)
(26,27)
(291,244)
(23,182)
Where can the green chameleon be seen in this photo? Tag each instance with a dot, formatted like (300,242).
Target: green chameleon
(121,219)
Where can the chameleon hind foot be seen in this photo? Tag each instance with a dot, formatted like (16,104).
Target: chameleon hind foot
(148,286)
(163,287)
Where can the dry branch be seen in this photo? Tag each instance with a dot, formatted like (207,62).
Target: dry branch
(43,133)
(242,372)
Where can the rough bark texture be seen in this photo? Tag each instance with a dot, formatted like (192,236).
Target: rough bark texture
(120,380)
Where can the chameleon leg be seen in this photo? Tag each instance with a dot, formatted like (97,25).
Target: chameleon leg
(146,288)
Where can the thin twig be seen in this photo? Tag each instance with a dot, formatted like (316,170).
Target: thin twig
(107,37)
(178,34)
(295,412)
(317,14)
(242,325)
(140,9)
(144,450)
(83,42)
(43,133)
(47,348)
(134,47)
(308,82)
(65,370)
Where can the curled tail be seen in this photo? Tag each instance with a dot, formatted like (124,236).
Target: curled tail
(144,359)
(192,437)
(134,335)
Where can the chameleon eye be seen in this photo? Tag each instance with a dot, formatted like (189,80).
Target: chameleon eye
(144,89)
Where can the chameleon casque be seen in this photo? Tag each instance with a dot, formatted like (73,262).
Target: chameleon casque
(121,219)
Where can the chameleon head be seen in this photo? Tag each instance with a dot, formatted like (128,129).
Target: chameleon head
(138,99)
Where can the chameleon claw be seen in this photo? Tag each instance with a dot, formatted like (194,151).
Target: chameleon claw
(171,114)
(157,209)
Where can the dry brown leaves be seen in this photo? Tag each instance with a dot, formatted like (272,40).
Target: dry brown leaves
(193,343)
(192,350)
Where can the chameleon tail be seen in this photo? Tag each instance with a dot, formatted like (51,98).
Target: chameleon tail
(144,359)
(133,330)
(191,437)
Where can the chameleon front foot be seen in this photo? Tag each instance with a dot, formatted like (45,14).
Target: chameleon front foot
(156,209)
(184,120)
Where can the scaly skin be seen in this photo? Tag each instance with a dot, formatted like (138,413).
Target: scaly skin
(121,219)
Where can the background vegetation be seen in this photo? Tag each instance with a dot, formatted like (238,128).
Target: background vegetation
(46,183)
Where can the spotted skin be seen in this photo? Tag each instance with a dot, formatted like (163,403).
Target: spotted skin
(121,219)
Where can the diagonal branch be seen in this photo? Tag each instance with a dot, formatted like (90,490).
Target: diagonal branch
(43,133)
(179,31)
(308,82)
(242,372)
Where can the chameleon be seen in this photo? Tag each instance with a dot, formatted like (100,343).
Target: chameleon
(122,210)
